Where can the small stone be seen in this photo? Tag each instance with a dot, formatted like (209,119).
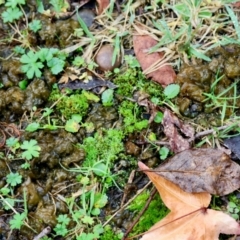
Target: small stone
(86,15)
(104,58)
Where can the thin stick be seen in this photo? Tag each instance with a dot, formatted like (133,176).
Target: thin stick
(203,209)
(210,131)
(43,233)
(154,191)
(125,205)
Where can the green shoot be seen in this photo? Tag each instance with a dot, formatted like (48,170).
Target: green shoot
(13,179)
(31,149)
(35,25)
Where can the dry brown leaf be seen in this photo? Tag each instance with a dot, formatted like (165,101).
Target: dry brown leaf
(236,4)
(164,75)
(102,5)
(189,218)
(202,170)
(69,74)
(172,129)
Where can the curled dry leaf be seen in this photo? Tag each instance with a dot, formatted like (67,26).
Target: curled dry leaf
(189,217)
(102,5)
(202,170)
(233,143)
(70,74)
(165,74)
(172,129)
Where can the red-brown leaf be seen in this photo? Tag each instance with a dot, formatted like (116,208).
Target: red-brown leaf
(102,5)
(165,74)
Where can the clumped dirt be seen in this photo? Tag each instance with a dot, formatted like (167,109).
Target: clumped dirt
(49,180)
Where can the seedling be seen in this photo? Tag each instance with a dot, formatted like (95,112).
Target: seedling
(221,100)
(31,65)
(13,179)
(107,97)
(31,149)
(35,25)
(33,62)
(170,92)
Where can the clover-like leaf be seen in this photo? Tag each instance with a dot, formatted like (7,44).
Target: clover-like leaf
(31,65)
(11,14)
(18,220)
(14,3)
(14,179)
(31,149)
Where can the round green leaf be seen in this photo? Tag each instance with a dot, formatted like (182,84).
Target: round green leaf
(159,117)
(72,126)
(171,91)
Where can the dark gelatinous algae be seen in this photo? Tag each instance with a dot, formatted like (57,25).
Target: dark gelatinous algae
(198,79)
(14,101)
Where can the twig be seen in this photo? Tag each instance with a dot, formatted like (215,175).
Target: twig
(130,180)
(210,131)
(43,233)
(154,191)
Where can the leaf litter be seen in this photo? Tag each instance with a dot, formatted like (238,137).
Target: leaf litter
(202,170)
(179,134)
(190,217)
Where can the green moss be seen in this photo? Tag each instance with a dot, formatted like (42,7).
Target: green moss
(127,82)
(109,234)
(76,103)
(131,117)
(134,80)
(105,145)
(155,212)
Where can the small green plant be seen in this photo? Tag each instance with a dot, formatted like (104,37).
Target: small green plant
(13,179)
(156,211)
(34,61)
(13,11)
(163,152)
(233,206)
(59,5)
(109,233)
(82,214)
(32,65)
(72,125)
(170,92)
(8,201)
(13,144)
(31,148)
(107,97)
(35,25)
(233,209)
(81,62)
(223,99)
(61,227)
(131,117)
(18,220)
(68,105)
